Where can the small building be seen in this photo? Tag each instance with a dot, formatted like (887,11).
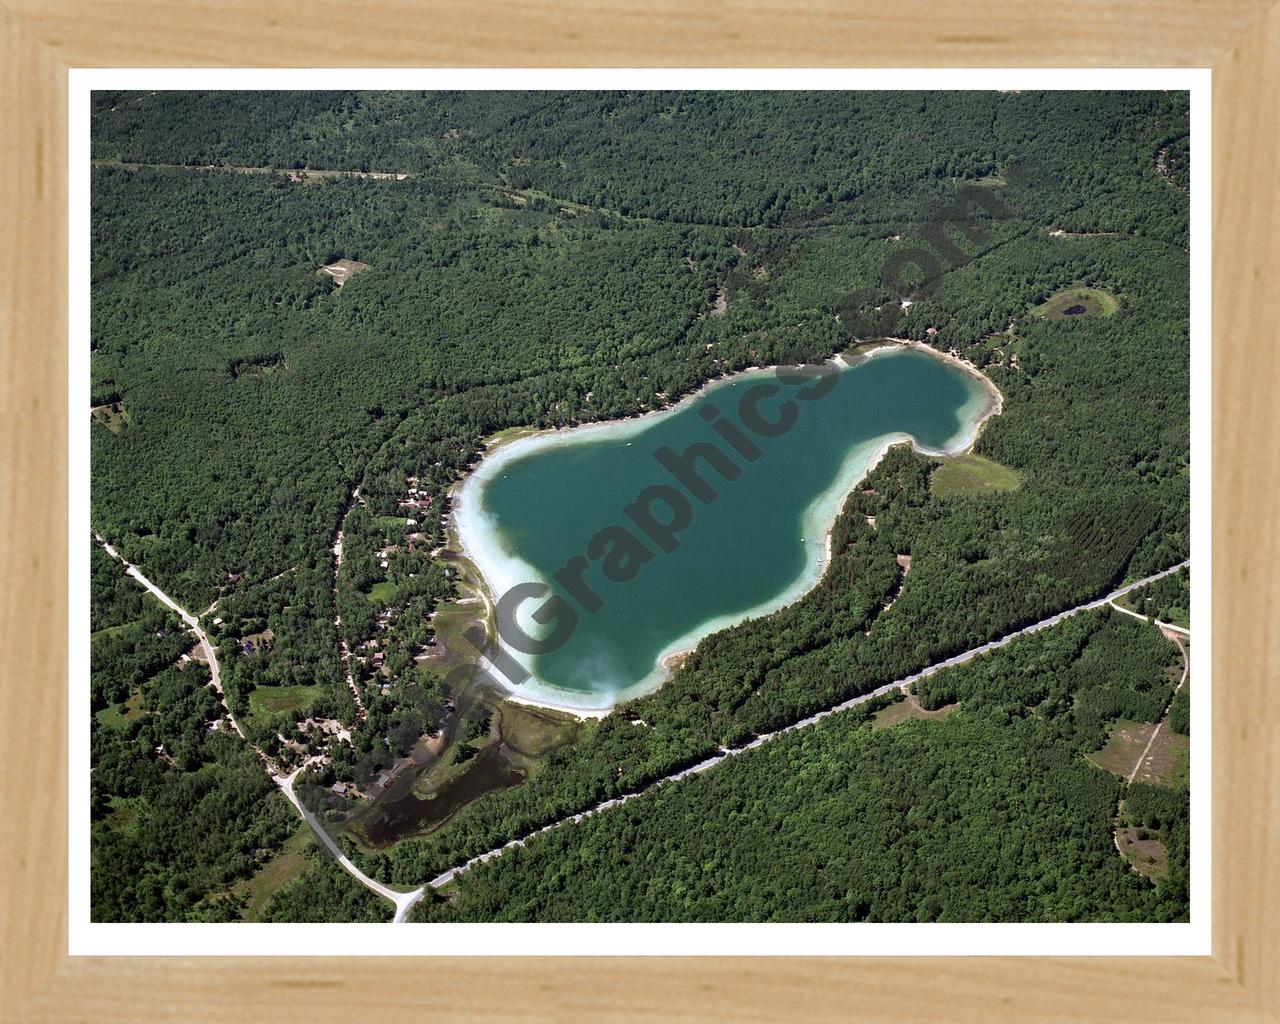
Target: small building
(340,788)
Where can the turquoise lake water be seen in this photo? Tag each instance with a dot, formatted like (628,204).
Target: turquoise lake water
(738,547)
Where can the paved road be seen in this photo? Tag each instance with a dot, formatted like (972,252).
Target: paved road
(403,901)
(448,876)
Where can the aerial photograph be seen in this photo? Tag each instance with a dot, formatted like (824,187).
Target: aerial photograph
(639,506)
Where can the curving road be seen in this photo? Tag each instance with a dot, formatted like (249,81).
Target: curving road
(403,901)
(1158,622)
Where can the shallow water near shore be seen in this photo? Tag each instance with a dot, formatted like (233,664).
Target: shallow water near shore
(754,546)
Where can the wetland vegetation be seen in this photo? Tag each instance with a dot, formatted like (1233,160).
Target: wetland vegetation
(547,260)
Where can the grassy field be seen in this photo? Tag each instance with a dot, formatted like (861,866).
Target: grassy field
(535,732)
(386,593)
(972,474)
(123,816)
(111,630)
(271,700)
(450,622)
(1077,302)
(1146,856)
(117,716)
(1124,746)
(454,618)
(905,710)
(274,875)
(1169,761)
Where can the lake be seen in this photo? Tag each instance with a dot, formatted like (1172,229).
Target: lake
(635,539)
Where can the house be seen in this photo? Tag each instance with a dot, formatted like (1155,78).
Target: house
(340,788)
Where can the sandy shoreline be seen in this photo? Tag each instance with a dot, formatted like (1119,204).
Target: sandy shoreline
(500,450)
(580,713)
(521,435)
(995,407)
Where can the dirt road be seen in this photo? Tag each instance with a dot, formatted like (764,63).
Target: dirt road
(403,901)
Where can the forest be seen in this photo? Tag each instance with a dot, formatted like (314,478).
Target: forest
(989,814)
(1168,599)
(551,259)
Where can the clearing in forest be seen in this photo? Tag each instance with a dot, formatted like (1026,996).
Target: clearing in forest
(384,593)
(343,270)
(1077,302)
(289,864)
(265,701)
(1144,851)
(113,416)
(904,710)
(972,474)
(534,732)
(118,716)
(1168,762)
(1125,744)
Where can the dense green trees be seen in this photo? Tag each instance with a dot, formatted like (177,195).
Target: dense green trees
(1168,599)
(722,158)
(990,814)
(259,397)
(325,893)
(117,600)
(180,810)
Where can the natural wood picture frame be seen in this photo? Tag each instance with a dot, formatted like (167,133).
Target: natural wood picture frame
(40,41)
